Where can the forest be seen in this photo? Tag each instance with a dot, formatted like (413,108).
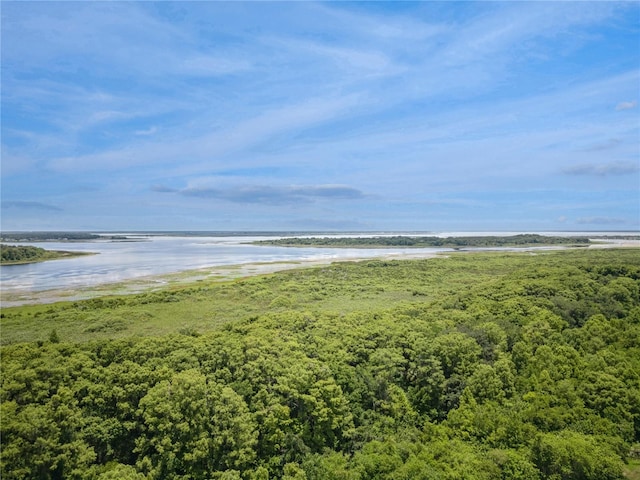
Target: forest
(62,237)
(492,365)
(47,236)
(18,254)
(424,242)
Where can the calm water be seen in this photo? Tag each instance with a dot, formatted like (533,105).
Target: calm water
(155,255)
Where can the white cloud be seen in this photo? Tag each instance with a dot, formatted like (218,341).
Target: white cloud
(149,131)
(352,58)
(207,147)
(509,30)
(397,100)
(106,116)
(387,27)
(627,105)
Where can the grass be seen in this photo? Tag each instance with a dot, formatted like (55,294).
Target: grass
(631,470)
(209,303)
(336,289)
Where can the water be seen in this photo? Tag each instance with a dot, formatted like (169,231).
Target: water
(156,255)
(118,261)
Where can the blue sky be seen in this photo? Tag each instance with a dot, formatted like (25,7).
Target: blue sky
(422,116)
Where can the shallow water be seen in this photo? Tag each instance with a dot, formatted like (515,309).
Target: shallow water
(156,255)
(149,255)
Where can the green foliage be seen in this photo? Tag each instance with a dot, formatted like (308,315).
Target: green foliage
(192,426)
(422,242)
(17,254)
(53,337)
(571,455)
(47,236)
(508,366)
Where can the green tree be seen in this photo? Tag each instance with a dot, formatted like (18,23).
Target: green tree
(568,455)
(194,427)
(42,441)
(458,353)
(485,384)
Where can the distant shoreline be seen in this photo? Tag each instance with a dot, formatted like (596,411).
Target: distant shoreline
(134,235)
(231,272)
(413,241)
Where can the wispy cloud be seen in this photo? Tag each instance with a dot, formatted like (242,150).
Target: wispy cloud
(627,105)
(260,171)
(600,221)
(510,30)
(163,189)
(395,105)
(602,146)
(146,132)
(207,65)
(266,194)
(363,60)
(29,205)
(612,168)
(283,120)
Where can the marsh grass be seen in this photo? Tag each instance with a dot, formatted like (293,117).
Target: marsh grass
(339,288)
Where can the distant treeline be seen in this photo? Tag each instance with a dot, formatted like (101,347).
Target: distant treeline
(59,237)
(16,254)
(46,236)
(406,241)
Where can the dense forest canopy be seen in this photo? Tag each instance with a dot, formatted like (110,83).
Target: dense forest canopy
(421,241)
(62,237)
(476,366)
(16,254)
(46,236)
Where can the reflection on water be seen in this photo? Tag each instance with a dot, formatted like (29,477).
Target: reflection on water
(118,261)
(158,255)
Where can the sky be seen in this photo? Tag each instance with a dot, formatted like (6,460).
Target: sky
(331,116)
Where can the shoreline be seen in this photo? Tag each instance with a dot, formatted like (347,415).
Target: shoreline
(55,255)
(152,283)
(223,273)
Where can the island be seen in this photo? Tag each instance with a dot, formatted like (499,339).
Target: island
(20,254)
(522,240)
(48,236)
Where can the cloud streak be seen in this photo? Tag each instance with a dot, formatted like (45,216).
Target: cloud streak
(627,105)
(30,205)
(271,195)
(603,170)
(241,135)
(383,109)
(600,221)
